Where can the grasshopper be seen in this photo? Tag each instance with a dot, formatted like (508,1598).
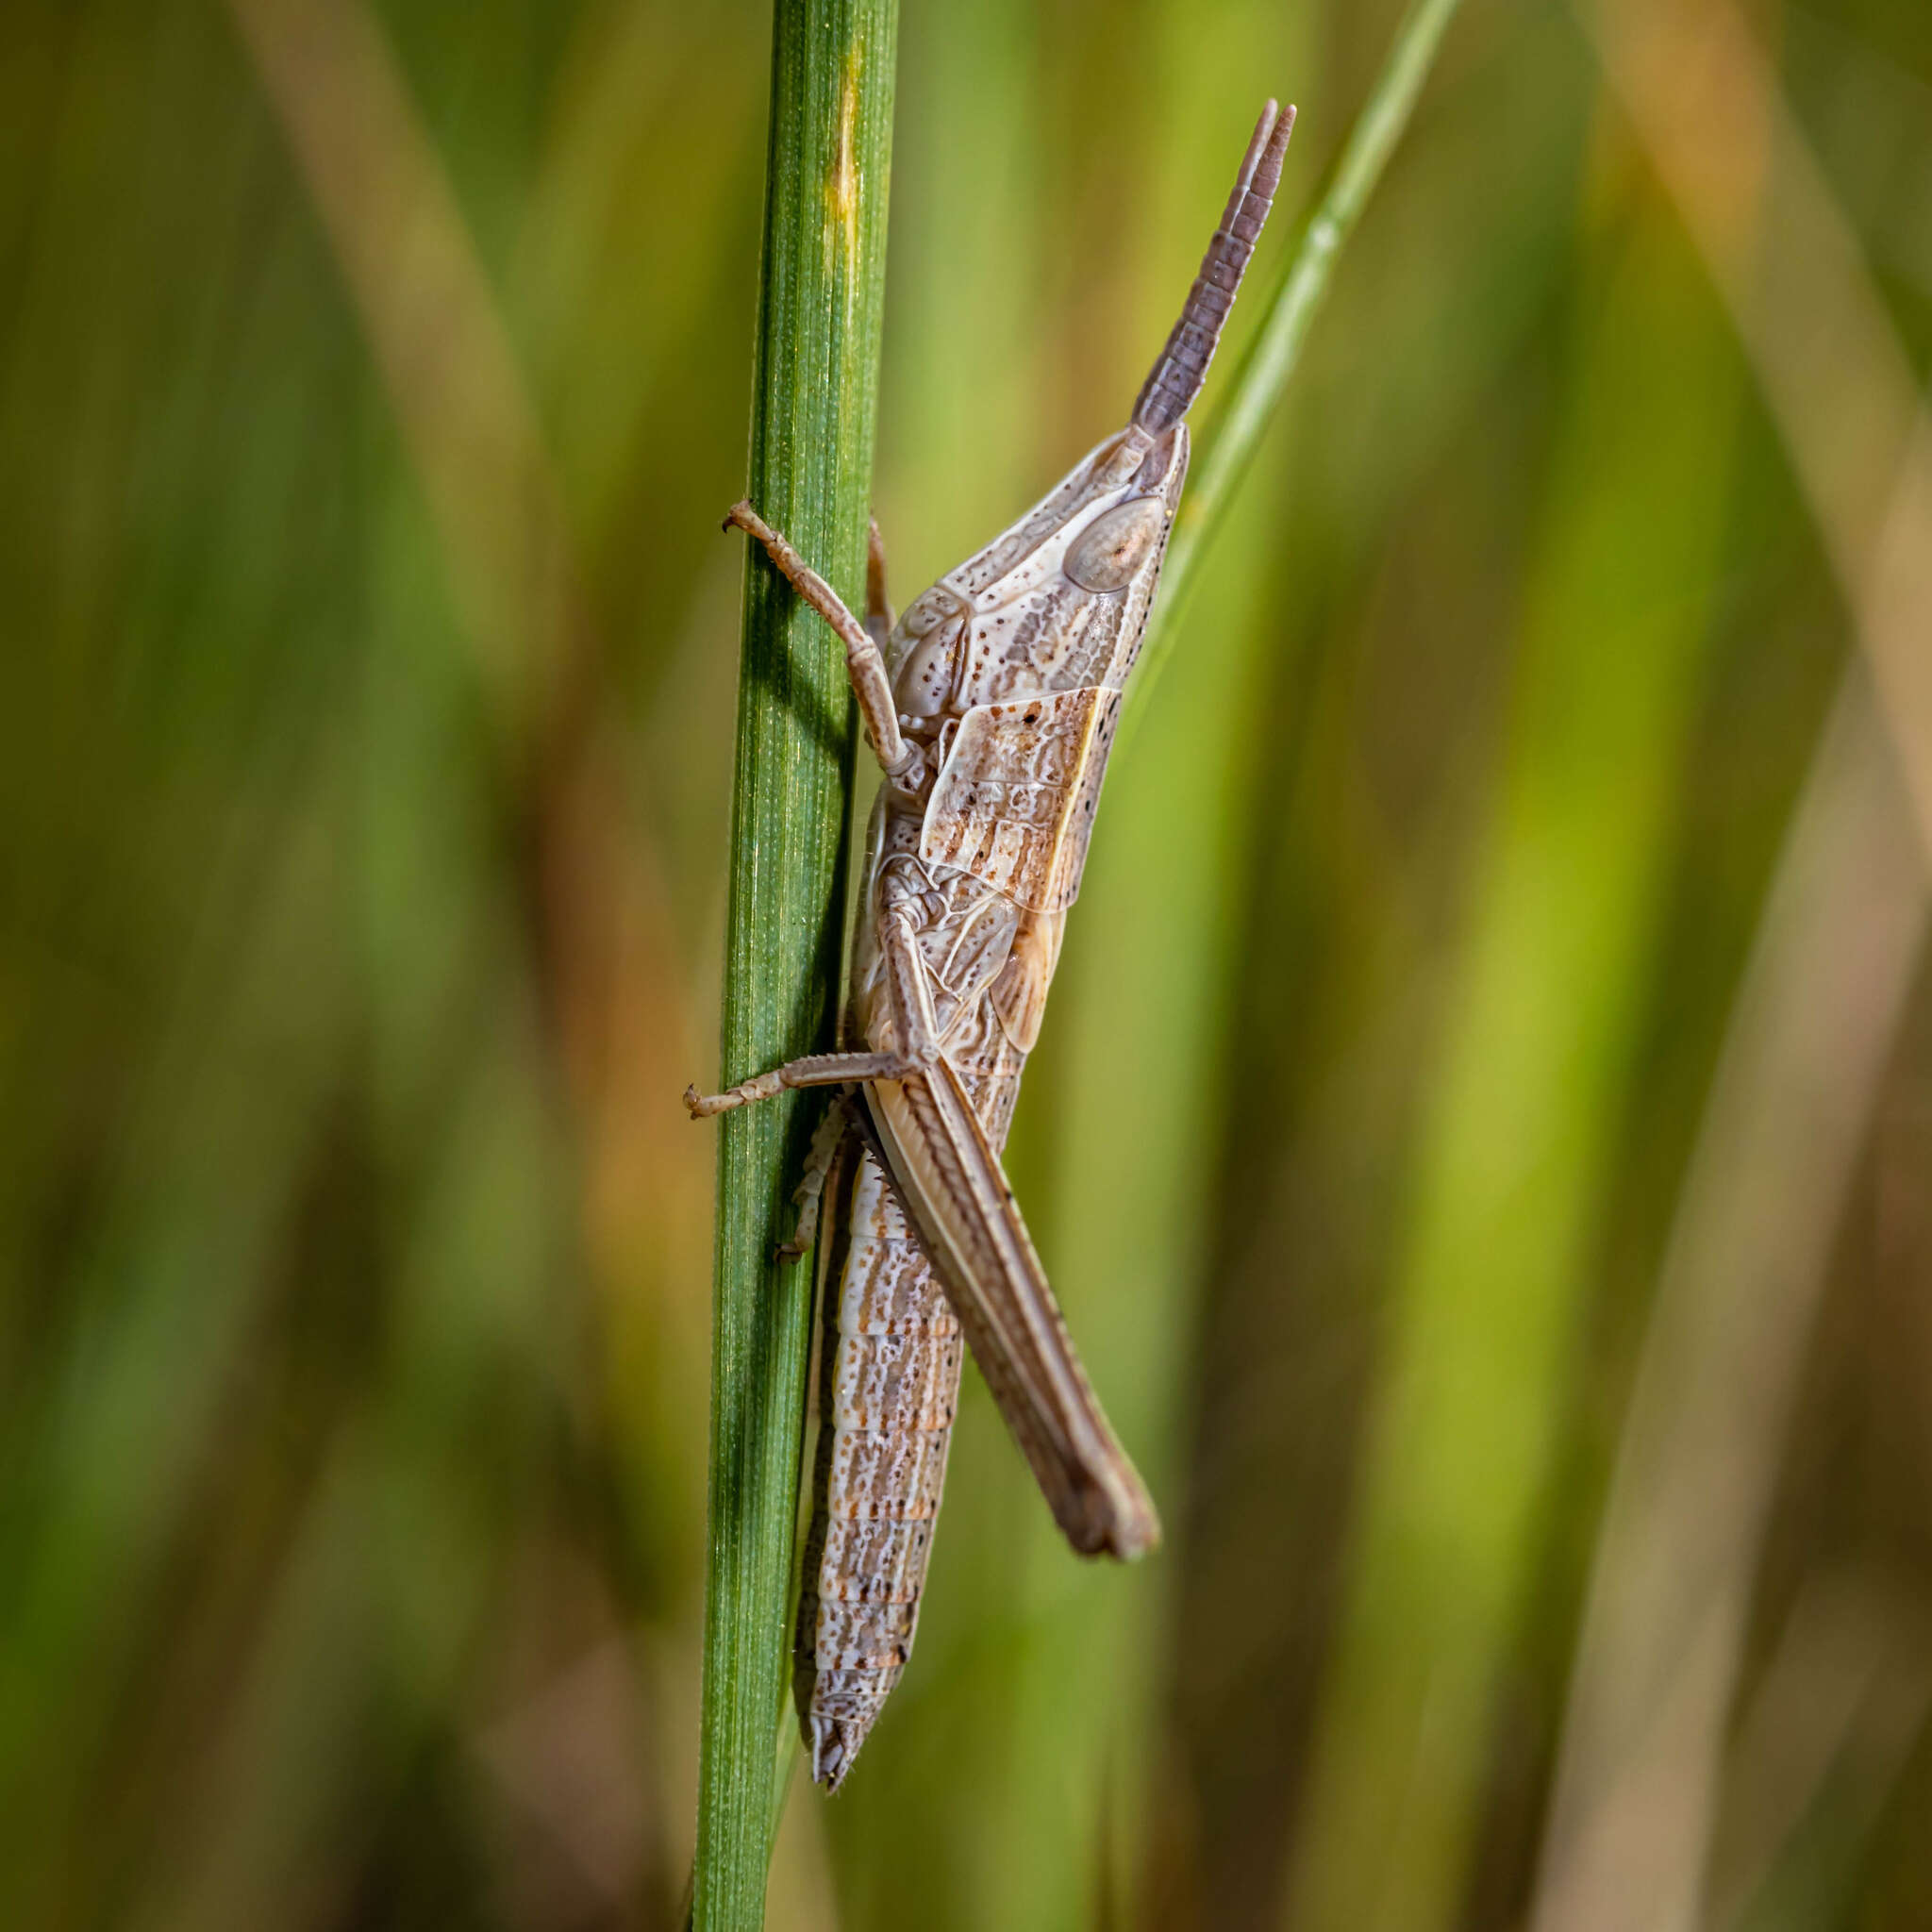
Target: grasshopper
(991,705)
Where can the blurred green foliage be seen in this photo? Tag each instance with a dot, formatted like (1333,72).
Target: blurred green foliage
(371,379)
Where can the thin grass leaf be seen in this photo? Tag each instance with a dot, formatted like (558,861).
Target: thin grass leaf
(811,446)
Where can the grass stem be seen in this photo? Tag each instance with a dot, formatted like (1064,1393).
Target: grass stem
(811,448)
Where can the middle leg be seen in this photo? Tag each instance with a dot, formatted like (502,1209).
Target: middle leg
(815,1070)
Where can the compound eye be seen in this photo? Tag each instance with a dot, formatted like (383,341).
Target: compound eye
(1112,548)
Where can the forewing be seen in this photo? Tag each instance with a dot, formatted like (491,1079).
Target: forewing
(942,1161)
(1014,803)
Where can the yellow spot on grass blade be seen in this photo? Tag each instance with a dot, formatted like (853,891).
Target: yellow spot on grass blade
(842,187)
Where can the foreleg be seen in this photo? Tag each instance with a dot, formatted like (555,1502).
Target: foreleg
(865,660)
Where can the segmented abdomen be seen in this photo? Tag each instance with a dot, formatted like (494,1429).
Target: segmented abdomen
(890,1357)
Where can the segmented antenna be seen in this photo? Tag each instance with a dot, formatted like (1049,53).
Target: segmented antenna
(1181,367)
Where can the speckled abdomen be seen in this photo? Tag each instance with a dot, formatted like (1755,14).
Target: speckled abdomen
(888,1386)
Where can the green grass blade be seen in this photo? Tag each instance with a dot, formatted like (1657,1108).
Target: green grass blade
(811,445)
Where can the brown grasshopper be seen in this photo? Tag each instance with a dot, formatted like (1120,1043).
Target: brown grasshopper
(991,705)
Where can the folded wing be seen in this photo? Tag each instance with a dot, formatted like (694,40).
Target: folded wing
(965,1212)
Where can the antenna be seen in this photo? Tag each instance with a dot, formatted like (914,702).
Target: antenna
(1181,367)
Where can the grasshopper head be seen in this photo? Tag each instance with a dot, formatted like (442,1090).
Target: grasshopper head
(1060,600)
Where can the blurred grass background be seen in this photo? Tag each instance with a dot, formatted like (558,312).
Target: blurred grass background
(1483,1132)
